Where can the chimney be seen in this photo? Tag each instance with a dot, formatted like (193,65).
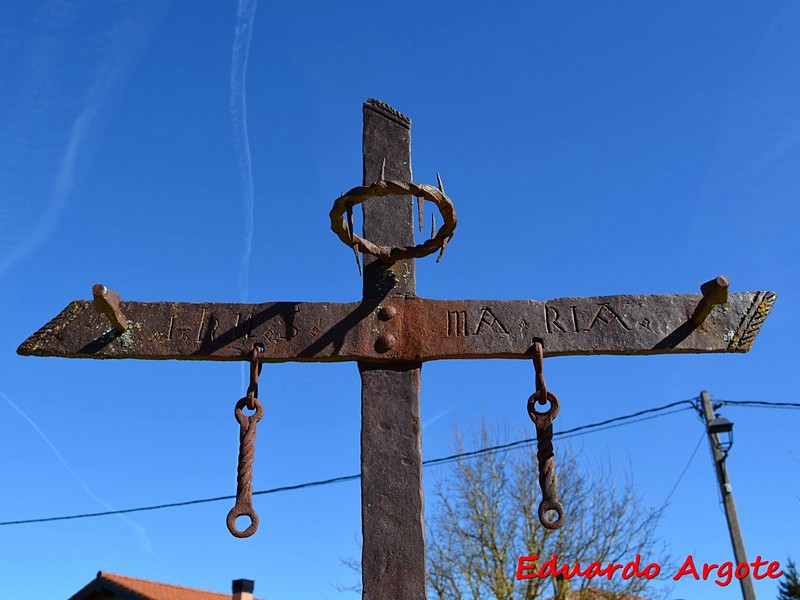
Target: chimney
(243,589)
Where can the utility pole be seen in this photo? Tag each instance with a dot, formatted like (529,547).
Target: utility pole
(725,489)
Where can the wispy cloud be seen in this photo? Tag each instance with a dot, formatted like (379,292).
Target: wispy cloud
(44,91)
(141,532)
(62,185)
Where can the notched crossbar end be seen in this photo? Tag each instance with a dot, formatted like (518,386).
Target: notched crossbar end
(106,302)
(714,292)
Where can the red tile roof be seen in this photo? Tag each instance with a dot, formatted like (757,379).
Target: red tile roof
(147,590)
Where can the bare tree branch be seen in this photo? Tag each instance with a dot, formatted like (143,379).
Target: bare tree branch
(483,517)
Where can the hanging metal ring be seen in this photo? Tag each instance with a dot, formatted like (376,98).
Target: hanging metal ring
(248,420)
(556,506)
(242,510)
(543,419)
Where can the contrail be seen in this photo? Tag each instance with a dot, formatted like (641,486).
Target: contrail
(444,413)
(241,51)
(140,531)
(243,33)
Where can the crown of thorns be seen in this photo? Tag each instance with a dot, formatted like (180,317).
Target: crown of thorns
(343,227)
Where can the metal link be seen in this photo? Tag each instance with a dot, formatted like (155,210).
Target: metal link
(255,371)
(543,421)
(538,366)
(247,438)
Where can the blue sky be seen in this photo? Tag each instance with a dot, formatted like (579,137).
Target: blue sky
(589,149)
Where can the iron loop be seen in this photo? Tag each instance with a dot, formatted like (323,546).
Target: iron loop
(546,505)
(543,419)
(242,511)
(251,403)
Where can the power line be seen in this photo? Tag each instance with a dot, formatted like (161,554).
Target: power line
(761,404)
(123,511)
(599,426)
(607,424)
(686,468)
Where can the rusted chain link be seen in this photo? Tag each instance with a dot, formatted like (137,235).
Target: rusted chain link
(543,421)
(247,438)
(538,367)
(255,371)
(343,227)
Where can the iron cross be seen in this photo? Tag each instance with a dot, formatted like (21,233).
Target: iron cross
(390,332)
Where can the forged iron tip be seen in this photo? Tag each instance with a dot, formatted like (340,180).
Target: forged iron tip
(358,259)
(439,179)
(383,170)
(420,211)
(444,246)
(350,222)
(433,226)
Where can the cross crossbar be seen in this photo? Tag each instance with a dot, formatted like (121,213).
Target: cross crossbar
(404,329)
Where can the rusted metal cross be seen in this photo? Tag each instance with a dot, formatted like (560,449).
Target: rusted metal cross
(391,332)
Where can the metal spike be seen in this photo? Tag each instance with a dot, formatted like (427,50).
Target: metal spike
(350,221)
(420,211)
(106,302)
(441,252)
(433,226)
(439,179)
(383,170)
(358,258)
(714,292)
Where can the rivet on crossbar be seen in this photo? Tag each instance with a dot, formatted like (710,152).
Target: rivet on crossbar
(714,292)
(106,302)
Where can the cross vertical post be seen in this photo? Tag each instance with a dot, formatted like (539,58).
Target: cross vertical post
(393,554)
